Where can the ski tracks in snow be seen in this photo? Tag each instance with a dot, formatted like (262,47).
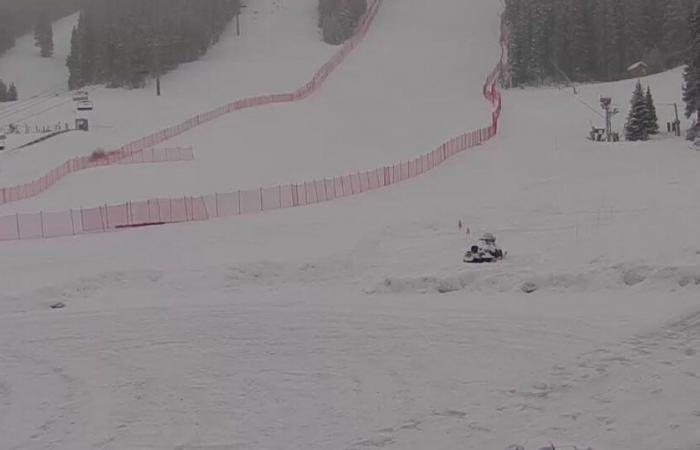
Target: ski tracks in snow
(652,379)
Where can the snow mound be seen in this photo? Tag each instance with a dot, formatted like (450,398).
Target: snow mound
(498,281)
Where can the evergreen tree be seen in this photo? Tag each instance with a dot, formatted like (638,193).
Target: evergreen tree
(18,17)
(610,37)
(634,33)
(3,91)
(74,62)
(339,18)
(517,17)
(691,73)
(638,118)
(43,34)
(539,42)
(589,40)
(652,125)
(581,39)
(126,42)
(333,29)
(675,36)
(12,94)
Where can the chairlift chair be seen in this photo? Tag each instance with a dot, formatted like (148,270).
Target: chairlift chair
(80,96)
(85,105)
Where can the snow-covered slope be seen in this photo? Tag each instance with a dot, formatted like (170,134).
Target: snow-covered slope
(37,78)
(353,324)
(383,100)
(279,50)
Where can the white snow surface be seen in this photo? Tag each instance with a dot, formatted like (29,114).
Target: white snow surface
(353,324)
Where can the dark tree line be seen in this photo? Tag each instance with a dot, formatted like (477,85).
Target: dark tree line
(18,17)
(43,34)
(8,93)
(593,40)
(338,19)
(691,74)
(123,43)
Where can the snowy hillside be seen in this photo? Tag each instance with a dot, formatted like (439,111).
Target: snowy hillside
(382,112)
(279,50)
(353,324)
(38,79)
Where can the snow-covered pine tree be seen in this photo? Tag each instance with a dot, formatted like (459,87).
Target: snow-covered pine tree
(652,119)
(3,91)
(638,118)
(43,34)
(12,94)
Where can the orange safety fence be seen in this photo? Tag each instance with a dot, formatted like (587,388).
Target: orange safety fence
(36,187)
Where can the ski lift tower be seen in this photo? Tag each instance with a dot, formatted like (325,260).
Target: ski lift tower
(610,112)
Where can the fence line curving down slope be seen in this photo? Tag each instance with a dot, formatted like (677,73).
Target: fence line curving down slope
(187,209)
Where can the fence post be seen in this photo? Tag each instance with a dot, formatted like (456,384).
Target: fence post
(261,200)
(41,219)
(19,232)
(239,202)
(72,221)
(216,202)
(206,210)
